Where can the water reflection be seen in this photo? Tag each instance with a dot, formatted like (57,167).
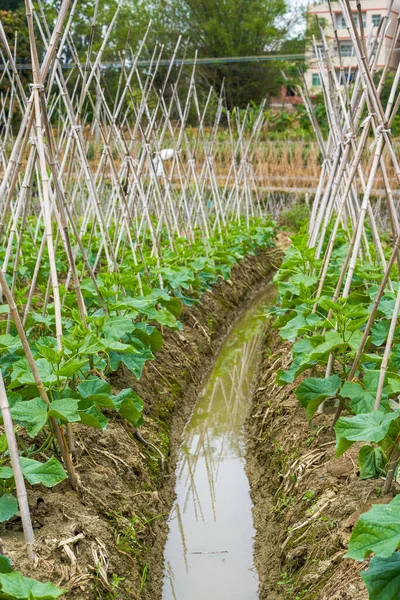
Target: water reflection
(209,552)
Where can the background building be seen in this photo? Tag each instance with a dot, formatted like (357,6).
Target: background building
(373,11)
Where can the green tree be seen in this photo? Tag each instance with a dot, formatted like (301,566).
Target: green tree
(229,28)
(214,28)
(11,4)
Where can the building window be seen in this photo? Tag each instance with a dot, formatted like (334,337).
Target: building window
(318,50)
(316,80)
(341,23)
(346,49)
(376,19)
(346,77)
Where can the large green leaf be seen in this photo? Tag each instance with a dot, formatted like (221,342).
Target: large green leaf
(5,564)
(6,473)
(22,374)
(32,414)
(94,387)
(9,342)
(133,362)
(96,391)
(369,427)
(379,332)
(314,390)
(71,366)
(48,474)
(116,326)
(377,531)
(173,305)
(92,417)
(65,409)
(371,460)
(130,406)
(52,355)
(361,401)
(387,306)
(15,585)
(383,578)
(8,507)
(164,317)
(291,330)
(332,341)
(111,344)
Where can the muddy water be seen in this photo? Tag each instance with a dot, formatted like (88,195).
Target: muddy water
(209,551)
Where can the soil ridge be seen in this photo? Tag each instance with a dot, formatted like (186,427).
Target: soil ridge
(306,501)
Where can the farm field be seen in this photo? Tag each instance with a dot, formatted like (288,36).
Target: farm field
(199,341)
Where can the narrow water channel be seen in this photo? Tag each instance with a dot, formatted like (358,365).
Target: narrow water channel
(209,551)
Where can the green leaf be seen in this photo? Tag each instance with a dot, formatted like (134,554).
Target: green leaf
(304,280)
(48,474)
(355,340)
(51,354)
(92,417)
(377,531)
(22,374)
(156,340)
(314,390)
(9,342)
(3,438)
(361,401)
(303,347)
(91,345)
(164,317)
(130,406)
(116,327)
(5,564)
(333,340)
(8,507)
(371,460)
(133,362)
(65,409)
(110,344)
(379,332)
(93,387)
(71,366)
(32,414)
(15,585)
(291,330)
(173,305)
(382,579)
(387,306)
(368,427)
(97,392)
(6,473)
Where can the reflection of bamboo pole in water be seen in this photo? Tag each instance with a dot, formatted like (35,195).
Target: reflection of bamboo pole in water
(192,432)
(232,387)
(208,460)
(170,574)
(191,488)
(182,533)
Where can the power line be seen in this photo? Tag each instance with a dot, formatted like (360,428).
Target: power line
(186,62)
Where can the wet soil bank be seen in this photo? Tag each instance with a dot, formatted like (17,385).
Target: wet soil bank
(107,541)
(306,501)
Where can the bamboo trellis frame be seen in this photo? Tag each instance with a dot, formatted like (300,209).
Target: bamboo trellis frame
(344,193)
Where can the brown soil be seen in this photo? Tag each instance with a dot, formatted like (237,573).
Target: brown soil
(296,482)
(107,541)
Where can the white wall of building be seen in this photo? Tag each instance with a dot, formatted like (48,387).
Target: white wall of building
(372,11)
